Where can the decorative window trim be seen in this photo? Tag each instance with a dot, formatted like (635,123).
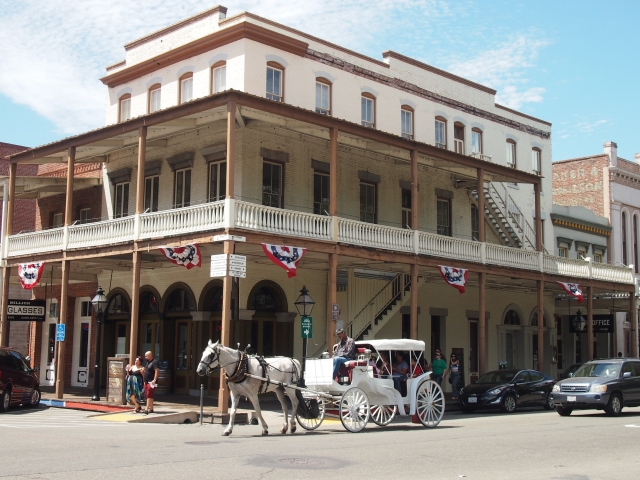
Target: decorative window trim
(369,177)
(151,169)
(180,80)
(405,184)
(321,167)
(566,241)
(444,193)
(582,244)
(180,161)
(214,153)
(122,175)
(369,91)
(274,155)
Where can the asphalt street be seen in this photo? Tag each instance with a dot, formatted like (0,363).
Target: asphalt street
(49,443)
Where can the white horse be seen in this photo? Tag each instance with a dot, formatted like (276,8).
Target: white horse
(280,369)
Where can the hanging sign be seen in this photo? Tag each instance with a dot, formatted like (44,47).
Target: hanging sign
(187,256)
(30,274)
(26,310)
(602,323)
(307,327)
(284,256)
(573,289)
(456,277)
(61,330)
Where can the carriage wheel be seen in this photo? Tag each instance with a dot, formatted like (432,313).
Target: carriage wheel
(313,423)
(383,414)
(429,403)
(354,410)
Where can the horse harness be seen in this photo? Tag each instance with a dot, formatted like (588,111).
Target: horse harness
(239,375)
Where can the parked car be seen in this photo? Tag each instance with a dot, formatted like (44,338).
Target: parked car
(507,390)
(569,372)
(607,385)
(19,383)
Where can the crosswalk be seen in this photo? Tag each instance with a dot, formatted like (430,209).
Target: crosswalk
(41,418)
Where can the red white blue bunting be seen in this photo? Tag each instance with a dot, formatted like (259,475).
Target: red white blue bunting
(30,274)
(187,256)
(456,277)
(284,256)
(573,289)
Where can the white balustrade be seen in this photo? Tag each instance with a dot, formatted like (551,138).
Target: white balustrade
(35,242)
(198,218)
(283,222)
(512,257)
(612,273)
(101,233)
(449,247)
(376,236)
(565,266)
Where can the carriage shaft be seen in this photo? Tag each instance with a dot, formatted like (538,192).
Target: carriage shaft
(289,385)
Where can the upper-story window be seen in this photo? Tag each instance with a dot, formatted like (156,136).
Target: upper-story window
(217,181)
(475,223)
(476,142)
(406,208)
(563,252)
(124,107)
(441,132)
(85,215)
(57,220)
(368,112)
(155,98)
(321,197)
(186,87)
(182,192)
(368,210)
(219,77)
(458,137)
(121,200)
(511,153)
(323,96)
(597,257)
(272,191)
(444,216)
(151,190)
(536,161)
(581,252)
(406,120)
(275,82)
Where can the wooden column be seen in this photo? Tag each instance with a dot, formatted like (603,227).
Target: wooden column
(333,172)
(415,221)
(480,190)
(225,334)
(6,271)
(540,326)
(332,298)
(135,308)
(231,146)
(482,323)
(142,153)
(590,323)
(539,239)
(68,209)
(60,351)
(332,294)
(414,301)
(634,324)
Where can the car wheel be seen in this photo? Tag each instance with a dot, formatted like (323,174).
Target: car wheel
(614,407)
(34,401)
(549,405)
(5,399)
(509,403)
(563,412)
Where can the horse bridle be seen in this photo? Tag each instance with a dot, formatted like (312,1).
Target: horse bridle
(215,358)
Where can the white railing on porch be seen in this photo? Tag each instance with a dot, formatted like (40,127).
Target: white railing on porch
(250,216)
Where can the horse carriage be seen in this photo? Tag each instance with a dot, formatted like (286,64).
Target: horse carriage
(360,393)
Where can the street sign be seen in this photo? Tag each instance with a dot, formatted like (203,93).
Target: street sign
(60,332)
(218,273)
(335,311)
(307,327)
(227,238)
(25,310)
(235,273)
(232,265)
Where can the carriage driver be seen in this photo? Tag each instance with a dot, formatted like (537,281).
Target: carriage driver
(343,352)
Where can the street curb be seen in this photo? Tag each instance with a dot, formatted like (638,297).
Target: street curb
(83,406)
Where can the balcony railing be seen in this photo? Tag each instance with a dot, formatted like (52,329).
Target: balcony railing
(254,217)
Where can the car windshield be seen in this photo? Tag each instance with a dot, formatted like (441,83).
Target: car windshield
(500,376)
(598,370)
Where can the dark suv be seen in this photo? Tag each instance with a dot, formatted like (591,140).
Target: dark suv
(19,383)
(607,385)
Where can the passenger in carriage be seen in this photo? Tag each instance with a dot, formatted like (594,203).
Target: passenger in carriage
(400,369)
(416,369)
(344,351)
(384,367)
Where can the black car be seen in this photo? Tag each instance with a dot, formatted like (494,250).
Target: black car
(507,390)
(607,385)
(19,383)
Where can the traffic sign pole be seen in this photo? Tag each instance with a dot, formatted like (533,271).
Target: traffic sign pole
(306,324)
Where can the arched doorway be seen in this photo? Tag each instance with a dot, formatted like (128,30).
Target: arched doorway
(269,331)
(179,335)
(531,332)
(116,328)
(210,328)
(512,337)
(150,322)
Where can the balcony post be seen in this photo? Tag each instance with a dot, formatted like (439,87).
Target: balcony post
(633,313)
(135,308)
(60,351)
(231,147)
(482,323)
(225,334)
(333,180)
(480,190)
(540,325)
(7,219)
(415,219)
(590,323)
(332,298)
(414,301)
(539,239)
(142,154)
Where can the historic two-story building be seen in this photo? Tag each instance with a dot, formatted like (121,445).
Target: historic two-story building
(382,170)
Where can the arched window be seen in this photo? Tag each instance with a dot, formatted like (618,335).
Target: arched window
(458,137)
(512,318)
(148,303)
(264,300)
(511,153)
(215,305)
(118,307)
(368,110)
(534,320)
(219,77)
(406,121)
(124,108)
(323,96)
(625,258)
(476,142)
(186,88)
(154,103)
(275,82)
(441,132)
(536,161)
(179,301)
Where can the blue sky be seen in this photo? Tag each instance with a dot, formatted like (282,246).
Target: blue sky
(573,63)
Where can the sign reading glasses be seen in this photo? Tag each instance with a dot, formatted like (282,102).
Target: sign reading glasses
(26,310)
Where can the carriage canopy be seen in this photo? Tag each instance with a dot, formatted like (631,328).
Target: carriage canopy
(403,344)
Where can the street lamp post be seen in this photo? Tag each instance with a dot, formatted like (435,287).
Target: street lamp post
(304,304)
(99,303)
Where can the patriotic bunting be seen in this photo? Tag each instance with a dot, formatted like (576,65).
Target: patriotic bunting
(186,256)
(30,274)
(573,289)
(456,277)
(284,256)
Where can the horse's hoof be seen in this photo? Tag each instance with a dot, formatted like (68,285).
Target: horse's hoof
(293,430)
(265,432)
(284,430)
(225,433)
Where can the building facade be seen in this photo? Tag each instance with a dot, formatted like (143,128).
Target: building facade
(381,170)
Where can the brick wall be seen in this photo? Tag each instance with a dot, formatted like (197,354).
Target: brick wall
(87,198)
(580,182)
(25,210)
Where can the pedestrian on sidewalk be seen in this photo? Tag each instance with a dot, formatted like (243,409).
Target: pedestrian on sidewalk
(151,370)
(438,366)
(454,375)
(135,385)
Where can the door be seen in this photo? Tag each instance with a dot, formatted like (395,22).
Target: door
(49,345)
(81,336)
(183,356)
(122,338)
(509,352)
(523,387)
(151,337)
(539,387)
(534,351)
(630,387)
(473,351)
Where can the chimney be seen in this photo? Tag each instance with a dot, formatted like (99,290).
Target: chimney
(637,157)
(222,12)
(611,149)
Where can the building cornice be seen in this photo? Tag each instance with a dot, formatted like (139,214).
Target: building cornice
(568,222)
